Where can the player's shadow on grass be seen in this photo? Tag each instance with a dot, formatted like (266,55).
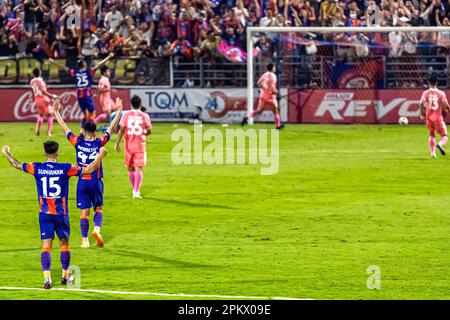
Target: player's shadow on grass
(191,204)
(153,258)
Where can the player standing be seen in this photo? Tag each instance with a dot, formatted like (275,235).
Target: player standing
(268,97)
(52,182)
(89,186)
(42,102)
(135,125)
(83,82)
(104,93)
(433,104)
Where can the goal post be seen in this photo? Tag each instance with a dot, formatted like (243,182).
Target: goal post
(254,31)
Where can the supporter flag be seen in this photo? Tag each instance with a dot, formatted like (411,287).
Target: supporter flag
(234,54)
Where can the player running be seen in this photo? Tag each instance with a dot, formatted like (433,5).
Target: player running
(268,97)
(135,125)
(433,104)
(89,186)
(42,102)
(104,93)
(83,83)
(52,182)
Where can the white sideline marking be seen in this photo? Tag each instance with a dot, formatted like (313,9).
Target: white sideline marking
(158,294)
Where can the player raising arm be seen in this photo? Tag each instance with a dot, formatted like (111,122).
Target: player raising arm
(434,104)
(52,182)
(90,186)
(135,125)
(83,82)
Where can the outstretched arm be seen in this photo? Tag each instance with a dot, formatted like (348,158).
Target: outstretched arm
(59,119)
(6,152)
(119,138)
(96,163)
(104,61)
(119,107)
(58,66)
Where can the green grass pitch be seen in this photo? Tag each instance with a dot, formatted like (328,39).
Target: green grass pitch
(345,198)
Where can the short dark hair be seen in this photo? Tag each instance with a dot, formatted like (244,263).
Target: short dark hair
(432,80)
(80,63)
(36,72)
(270,66)
(51,147)
(103,69)
(90,126)
(136,102)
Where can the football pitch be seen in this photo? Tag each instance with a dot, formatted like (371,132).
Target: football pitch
(345,198)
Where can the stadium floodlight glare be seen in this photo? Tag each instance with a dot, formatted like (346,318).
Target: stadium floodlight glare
(251,31)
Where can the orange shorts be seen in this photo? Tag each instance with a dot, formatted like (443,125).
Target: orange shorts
(270,103)
(43,106)
(437,126)
(135,159)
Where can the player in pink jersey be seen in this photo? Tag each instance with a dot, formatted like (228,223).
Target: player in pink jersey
(135,125)
(433,105)
(104,92)
(42,102)
(268,97)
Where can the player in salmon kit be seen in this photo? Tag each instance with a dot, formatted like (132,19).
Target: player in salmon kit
(135,125)
(104,93)
(268,97)
(434,106)
(42,101)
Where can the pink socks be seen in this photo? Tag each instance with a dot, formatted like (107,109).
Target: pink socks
(100,118)
(131,177)
(137,180)
(443,141)
(432,144)
(49,125)
(277,120)
(39,122)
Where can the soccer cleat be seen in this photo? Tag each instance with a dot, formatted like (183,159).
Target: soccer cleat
(441,149)
(244,121)
(64,280)
(37,133)
(49,134)
(85,245)
(47,285)
(98,238)
(280,127)
(137,195)
(433,156)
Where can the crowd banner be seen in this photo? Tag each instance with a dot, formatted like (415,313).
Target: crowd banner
(209,105)
(348,106)
(124,71)
(18,104)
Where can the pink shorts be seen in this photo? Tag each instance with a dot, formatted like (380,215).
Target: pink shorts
(437,126)
(267,103)
(107,105)
(43,106)
(135,159)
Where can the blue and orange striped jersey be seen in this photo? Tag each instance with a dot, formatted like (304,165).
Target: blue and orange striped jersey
(52,183)
(86,151)
(83,81)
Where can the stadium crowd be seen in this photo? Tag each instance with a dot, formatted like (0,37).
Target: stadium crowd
(184,28)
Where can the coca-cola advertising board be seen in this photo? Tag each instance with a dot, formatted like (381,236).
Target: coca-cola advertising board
(18,104)
(355,106)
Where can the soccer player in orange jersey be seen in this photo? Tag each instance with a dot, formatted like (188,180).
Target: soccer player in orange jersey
(433,105)
(42,102)
(268,97)
(135,125)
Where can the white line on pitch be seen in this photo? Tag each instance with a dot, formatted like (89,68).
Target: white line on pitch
(158,294)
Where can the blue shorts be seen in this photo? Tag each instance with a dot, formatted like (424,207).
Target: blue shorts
(89,193)
(49,224)
(87,103)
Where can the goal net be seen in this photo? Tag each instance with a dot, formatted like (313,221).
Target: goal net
(349,74)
